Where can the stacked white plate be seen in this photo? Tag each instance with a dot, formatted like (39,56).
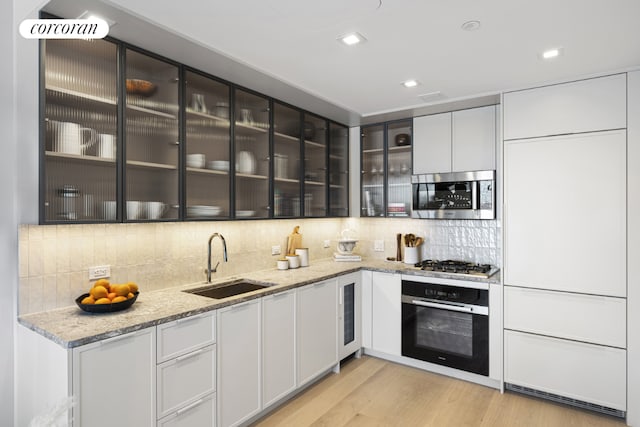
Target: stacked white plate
(245,214)
(203,210)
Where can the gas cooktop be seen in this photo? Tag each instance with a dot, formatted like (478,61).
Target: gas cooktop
(462,268)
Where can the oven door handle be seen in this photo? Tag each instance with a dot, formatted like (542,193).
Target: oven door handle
(452,307)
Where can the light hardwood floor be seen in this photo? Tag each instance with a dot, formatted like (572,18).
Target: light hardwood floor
(373,392)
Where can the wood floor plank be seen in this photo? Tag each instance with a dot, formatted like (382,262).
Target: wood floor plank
(376,393)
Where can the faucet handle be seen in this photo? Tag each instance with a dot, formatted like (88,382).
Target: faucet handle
(215,269)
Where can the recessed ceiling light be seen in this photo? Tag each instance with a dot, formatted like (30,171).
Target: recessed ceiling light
(471,25)
(351,39)
(90,15)
(551,53)
(410,83)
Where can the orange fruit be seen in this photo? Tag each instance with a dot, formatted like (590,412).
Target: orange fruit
(103,301)
(88,300)
(130,295)
(111,295)
(133,287)
(98,292)
(122,290)
(119,299)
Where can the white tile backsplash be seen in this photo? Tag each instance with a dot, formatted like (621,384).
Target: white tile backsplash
(54,259)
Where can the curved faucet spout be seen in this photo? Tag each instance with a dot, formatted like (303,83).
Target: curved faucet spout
(224,255)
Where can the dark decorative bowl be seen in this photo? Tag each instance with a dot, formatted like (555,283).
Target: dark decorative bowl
(403,139)
(106,308)
(140,87)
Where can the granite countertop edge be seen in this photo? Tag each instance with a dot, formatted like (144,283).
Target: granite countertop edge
(70,327)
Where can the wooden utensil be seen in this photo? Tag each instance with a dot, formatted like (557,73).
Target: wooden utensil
(294,241)
(399,249)
(418,241)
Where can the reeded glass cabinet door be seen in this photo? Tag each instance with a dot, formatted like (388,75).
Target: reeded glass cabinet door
(399,137)
(315,132)
(80,137)
(251,155)
(152,142)
(338,170)
(207,147)
(373,165)
(286,161)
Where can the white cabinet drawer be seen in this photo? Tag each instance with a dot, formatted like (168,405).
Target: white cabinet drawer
(594,319)
(201,413)
(581,106)
(185,379)
(185,335)
(586,372)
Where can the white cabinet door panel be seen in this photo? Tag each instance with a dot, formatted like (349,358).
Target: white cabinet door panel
(239,361)
(387,314)
(184,335)
(586,372)
(474,139)
(367,307)
(317,329)
(565,213)
(589,318)
(186,379)
(432,143)
(279,346)
(106,370)
(582,106)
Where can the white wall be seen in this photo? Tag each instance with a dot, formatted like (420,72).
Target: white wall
(8,220)
(633,249)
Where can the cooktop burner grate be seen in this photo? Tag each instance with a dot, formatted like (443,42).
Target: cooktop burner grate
(456,267)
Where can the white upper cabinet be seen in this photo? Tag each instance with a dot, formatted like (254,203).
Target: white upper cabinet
(474,139)
(432,143)
(460,141)
(582,106)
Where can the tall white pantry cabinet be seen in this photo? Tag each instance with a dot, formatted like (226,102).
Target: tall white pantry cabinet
(565,241)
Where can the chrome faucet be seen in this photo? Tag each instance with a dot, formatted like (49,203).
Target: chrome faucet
(224,254)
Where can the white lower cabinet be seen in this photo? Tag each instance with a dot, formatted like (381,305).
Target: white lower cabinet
(317,329)
(386,313)
(200,413)
(114,381)
(586,372)
(239,361)
(279,346)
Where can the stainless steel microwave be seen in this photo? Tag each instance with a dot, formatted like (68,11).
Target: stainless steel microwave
(455,195)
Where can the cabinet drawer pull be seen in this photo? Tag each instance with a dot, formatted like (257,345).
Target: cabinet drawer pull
(188,319)
(189,407)
(189,355)
(241,305)
(116,339)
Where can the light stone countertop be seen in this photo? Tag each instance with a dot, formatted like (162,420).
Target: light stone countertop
(71,327)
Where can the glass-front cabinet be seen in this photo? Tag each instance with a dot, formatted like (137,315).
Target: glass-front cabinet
(338,170)
(79,174)
(130,136)
(386,169)
(251,129)
(315,133)
(286,161)
(207,147)
(152,144)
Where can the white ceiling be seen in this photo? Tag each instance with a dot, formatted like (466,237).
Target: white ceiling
(295,41)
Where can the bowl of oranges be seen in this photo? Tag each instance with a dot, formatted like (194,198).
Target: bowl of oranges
(105,297)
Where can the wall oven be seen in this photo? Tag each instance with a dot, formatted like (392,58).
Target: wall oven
(447,325)
(456,195)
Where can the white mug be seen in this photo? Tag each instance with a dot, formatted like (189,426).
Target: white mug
(155,210)
(106,146)
(71,138)
(133,209)
(294,261)
(109,209)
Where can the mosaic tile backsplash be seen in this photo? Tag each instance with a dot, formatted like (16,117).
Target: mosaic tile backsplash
(54,259)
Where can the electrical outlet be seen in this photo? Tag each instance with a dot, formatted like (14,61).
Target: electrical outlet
(99,272)
(378,245)
(326,243)
(276,250)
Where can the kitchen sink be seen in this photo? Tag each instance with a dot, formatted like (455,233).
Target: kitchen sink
(229,289)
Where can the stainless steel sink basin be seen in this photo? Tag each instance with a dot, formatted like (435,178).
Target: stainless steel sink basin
(229,289)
